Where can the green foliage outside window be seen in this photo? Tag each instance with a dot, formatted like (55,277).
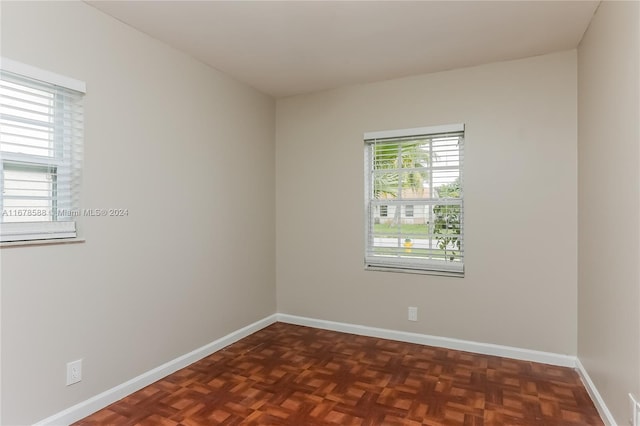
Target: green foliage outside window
(447,221)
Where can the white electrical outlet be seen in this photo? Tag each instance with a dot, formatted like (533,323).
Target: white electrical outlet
(413,313)
(74,372)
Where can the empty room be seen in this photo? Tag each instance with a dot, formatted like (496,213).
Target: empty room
(320,212)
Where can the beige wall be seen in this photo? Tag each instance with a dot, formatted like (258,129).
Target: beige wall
(520,201)
(164,131)
(609,203)
(171,140)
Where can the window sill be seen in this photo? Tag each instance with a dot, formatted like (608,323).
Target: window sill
(52,241)
(414,271)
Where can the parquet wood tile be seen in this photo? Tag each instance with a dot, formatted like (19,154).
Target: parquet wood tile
(293,375)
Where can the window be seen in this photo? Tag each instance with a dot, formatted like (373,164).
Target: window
(417,172)
(41,132)
(408,210)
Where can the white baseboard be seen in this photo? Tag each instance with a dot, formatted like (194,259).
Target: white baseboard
(444,342)
(91,405)
(604,412)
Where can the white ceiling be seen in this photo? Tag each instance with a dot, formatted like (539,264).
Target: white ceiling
(291,47)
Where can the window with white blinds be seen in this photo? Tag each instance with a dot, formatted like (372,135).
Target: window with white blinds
(41,134)
(414,200)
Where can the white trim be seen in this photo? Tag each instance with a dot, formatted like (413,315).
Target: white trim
(417,131)
(42,75)
(393,264)
(444,342)
(635,409)
(28,231)
(422,271)
(604,412)
(93,404)
(47,242)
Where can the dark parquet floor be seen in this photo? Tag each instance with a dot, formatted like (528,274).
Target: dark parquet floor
(291,375)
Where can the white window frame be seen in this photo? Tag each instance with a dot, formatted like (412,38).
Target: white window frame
(397,262)
(61,225)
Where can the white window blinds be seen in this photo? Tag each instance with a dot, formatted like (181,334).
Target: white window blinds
(414,199)
(41,133)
